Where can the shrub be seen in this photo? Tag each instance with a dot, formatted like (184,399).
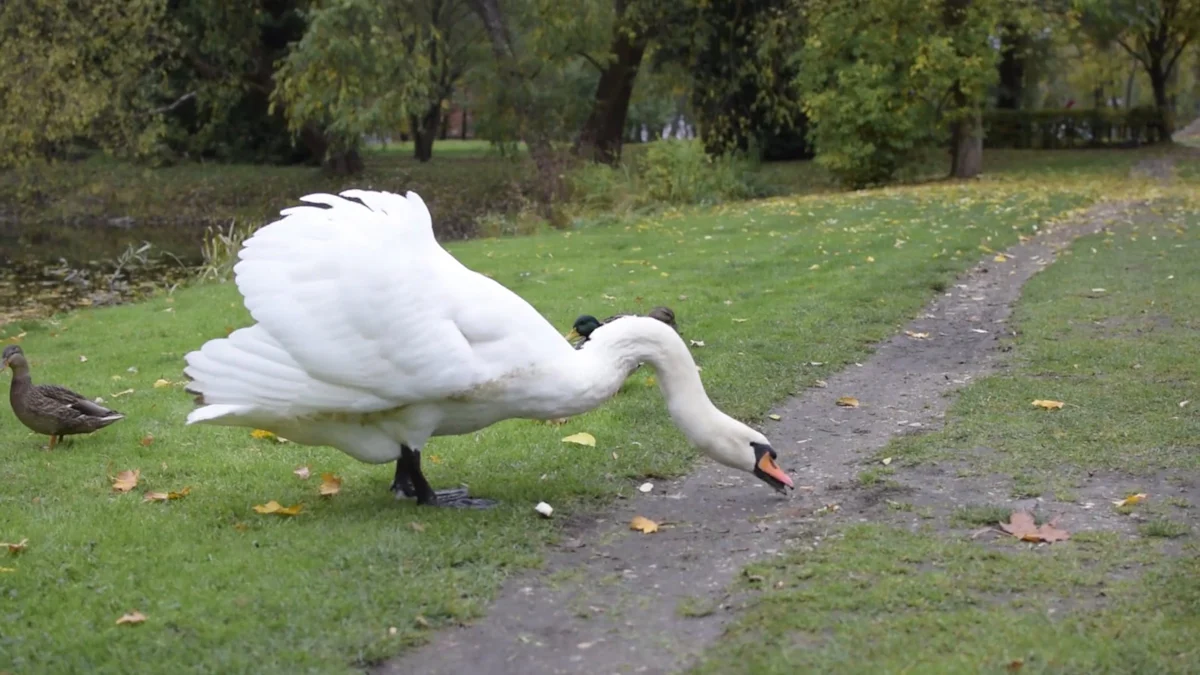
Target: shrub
(1069,128)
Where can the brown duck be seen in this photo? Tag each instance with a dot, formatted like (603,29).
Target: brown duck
(48,409)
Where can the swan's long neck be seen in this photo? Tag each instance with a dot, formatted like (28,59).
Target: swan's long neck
(615,350)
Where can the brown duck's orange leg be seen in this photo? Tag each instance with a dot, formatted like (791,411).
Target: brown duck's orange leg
(53,440)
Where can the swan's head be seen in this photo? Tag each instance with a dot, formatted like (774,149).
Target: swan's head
(739,446)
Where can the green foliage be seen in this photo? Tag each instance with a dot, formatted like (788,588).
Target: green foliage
(1068,128)
(669,172)
(877,79)
(743,74)
(361,67)
(75,74)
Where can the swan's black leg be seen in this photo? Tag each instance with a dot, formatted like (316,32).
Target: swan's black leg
(402,484)
(426,495)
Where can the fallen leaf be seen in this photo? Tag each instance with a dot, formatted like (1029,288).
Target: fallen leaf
(848,402)
(1183,404)
(7,569)
(1048,405)
(147,440)
(119,394)
(166,496)
(263,434)
(916,336)
(645,487)
(330,485)
(160,383)
(886,461)
(774,416)
(135,617)
(697,343)
(303,472)
(1015,665)
(1021,525)
(999,258)
(740,320)
(1131,500)
(821,383)
(870,258)
(643,525)
(436,459)
(15,548)
(416,527)
(275,507)
(557,421)
(581,438)
(126,480)
(82,358)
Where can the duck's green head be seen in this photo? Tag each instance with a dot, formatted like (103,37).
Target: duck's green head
(583,327)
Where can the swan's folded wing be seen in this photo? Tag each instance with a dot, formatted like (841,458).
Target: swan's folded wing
(361,295)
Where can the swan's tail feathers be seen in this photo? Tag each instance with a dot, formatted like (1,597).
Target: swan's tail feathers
(244,372)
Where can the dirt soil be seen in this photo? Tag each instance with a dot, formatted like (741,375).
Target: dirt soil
(611,600)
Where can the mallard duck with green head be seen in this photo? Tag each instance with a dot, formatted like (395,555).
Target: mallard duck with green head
(49,409)
(586,324)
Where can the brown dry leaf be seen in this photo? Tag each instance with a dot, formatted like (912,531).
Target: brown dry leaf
(1015,665)
(581,438)
(330,485)
(166,496)
(147,440)
(303,472)
(15,548)
(1021,525)
(1131,500)
(126,480)
(848,402)
(276,508)
(1047,404)
(135,617)
(160,383)
(643,525)
(263,434)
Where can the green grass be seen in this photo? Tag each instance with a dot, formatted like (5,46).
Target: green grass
(877,599)
(228,590)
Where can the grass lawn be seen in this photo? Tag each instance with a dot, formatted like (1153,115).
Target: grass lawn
(1119,599)
(769,288)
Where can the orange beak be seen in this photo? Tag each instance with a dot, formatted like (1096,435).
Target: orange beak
(769,467)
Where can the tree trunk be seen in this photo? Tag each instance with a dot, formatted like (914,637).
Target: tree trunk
(342,161)
(463,122)
(602,134)
(1158,81)
(425,130)
(967,152)
(1012,70)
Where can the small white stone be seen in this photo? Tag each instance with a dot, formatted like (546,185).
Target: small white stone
(544,509)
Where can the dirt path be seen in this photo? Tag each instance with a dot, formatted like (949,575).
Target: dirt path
(610,600)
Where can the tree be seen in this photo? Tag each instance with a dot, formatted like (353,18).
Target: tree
(1154,32)
(80,71)
(361,67)
(603,132)
(883,80)
(453,46)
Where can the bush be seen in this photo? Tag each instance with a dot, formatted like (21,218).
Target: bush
(1070,128)
(668,172)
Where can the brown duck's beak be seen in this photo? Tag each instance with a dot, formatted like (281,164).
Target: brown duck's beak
(572,335)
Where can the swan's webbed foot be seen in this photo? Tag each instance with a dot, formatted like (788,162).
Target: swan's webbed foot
(410,482)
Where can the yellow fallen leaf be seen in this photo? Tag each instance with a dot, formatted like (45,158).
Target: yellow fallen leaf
(1131,500)
(135,617)
(740,320)
(303,472)
(581,438)
(999,258)
(1047,404)
(15,548)
(7,569)
(870,258)
(126,480)
(417,527)
(160,383)
(275,507)
(916,336)
(774,416)
(436,459)
(330,485)
(263,434)
(82,358)
(119,394)
(886,461)
(848,402)
(643,525)
(166,496)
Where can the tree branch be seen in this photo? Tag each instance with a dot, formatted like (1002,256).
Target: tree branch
(178,102)
(591,59)
(1132,52)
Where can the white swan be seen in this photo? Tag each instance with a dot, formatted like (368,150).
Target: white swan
(371,338)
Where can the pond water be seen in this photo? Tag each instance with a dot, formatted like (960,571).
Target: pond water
(56,266)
